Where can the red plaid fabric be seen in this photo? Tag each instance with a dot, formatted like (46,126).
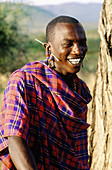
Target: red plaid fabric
(39,107)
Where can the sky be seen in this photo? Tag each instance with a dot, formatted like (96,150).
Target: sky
(54,2)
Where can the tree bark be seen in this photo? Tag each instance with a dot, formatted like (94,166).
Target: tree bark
(100,140)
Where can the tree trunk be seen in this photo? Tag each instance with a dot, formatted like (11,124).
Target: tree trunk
(100,140)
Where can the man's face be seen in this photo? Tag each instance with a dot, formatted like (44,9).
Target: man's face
(69,46)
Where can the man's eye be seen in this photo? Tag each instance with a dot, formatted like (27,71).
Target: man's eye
(67,44)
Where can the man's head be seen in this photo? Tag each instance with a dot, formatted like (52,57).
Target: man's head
(67,41)
(51,25)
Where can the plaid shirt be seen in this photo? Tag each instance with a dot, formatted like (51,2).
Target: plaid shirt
(39,107)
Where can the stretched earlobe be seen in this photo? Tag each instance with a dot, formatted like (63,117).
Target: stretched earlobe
(47,48)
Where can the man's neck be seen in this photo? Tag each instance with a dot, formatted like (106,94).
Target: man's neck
(68,78)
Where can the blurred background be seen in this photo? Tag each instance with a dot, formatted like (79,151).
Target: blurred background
(21,21)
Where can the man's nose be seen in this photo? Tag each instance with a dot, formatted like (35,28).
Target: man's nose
(77,49)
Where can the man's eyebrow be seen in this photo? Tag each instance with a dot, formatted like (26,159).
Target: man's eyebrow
(67,40)
(84,39)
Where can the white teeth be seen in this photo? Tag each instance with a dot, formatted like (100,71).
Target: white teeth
(75,61)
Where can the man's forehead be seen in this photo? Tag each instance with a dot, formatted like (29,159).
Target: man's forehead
(69,29)
(68,26)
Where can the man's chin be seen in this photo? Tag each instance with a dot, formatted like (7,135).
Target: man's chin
(76,69)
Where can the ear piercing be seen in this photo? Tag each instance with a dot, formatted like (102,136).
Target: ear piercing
(50,57)
(55,57)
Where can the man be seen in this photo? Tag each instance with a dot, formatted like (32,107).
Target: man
(43,122)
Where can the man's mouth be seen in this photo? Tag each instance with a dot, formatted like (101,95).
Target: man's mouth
(75,61)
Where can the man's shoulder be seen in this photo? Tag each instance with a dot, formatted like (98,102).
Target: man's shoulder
(29,68)
(32,67)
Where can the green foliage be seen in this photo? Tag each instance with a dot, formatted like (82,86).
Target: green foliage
(13,49)
(16,48)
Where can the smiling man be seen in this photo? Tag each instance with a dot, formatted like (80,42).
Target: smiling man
(67,41)
(43,121)
(69,44)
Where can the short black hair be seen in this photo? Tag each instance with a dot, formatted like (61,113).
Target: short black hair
(52,24)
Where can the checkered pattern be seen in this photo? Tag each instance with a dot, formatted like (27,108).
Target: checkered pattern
(39,107)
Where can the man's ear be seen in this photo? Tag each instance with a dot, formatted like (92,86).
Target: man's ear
(47,48)
(50,47)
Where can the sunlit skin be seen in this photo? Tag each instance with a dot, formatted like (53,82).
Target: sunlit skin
(69,42)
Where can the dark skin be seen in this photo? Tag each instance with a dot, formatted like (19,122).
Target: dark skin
(21,154)
(69,46)
(69,43)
